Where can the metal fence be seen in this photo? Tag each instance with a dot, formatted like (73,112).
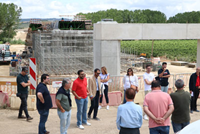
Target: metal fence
(115,83)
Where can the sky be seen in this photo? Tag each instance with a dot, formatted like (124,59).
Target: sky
(54,8)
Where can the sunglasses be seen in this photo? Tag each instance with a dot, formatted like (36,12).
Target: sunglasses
(130,71)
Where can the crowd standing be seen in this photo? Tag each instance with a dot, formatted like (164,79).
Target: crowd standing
(158,105)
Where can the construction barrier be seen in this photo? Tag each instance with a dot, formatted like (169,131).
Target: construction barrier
(32,72)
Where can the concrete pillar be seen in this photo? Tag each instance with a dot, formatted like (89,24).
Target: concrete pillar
(107,53)
(198,53)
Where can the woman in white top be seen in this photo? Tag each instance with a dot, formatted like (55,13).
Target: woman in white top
(104,79)
(130,81)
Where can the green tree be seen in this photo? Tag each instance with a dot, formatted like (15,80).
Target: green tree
(186,17)
(9,19)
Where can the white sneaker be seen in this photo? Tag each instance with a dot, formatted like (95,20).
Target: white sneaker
(146,117)
(99,107)
(80,127)
(107,107)
(87,123)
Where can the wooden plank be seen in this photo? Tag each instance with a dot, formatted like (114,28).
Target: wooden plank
(8,83)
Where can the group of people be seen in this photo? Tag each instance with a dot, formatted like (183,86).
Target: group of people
(98,84)
(158,104)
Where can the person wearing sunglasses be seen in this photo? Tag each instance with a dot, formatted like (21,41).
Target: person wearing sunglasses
(95,93)
(130,81)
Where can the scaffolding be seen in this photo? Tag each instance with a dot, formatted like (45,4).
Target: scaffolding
(63,52)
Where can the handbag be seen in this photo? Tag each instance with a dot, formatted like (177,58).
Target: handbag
(132,86)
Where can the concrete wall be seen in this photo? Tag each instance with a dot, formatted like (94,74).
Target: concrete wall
(123,31)
(198,53)
(107,53)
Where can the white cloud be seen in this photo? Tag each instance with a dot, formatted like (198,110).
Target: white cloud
(54,8)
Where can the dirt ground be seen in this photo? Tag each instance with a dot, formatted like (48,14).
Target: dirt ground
(21,34)
(107,125)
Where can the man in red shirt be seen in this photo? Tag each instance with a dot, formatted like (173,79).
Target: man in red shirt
(194,86)
(80,91)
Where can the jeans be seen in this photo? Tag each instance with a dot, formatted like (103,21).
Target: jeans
(64,121)
(179,126)
(81,111)
(23,106)
(159,130)
(124,101)
(106,94)
(164,89)
(43,118)
(94,105)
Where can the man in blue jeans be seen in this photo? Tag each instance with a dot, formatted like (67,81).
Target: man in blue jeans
(80,91)
(44,103)
(181,99)
(63,102)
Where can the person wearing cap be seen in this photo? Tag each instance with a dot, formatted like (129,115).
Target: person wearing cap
(22,92)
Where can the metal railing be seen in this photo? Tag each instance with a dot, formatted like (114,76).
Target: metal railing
(115,83)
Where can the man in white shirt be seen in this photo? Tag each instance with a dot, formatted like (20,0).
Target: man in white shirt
(148,78)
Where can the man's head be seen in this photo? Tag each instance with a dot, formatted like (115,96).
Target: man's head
(155,85)
(66,83)
(96,72)
(130,94)
(179,84)
(198,70)
(24,71)
(45,79)
(164,65)
(148,68)
(81,74)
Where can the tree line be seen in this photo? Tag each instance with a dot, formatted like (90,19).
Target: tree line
(142,16)
(10,17)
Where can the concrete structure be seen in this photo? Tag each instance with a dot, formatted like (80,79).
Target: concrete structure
(110,34)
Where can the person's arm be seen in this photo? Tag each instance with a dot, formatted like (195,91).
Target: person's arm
(106,80)
(40,96)
(146,110)
(88,93)
(75,94)
(118,118)
(147,82)
(191,84)
(90,89)
(25,84)
(124,80)
(169,112)
(59,105)
(74,87)
(166,76)
(136,83)
(141,117)
(160,74)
